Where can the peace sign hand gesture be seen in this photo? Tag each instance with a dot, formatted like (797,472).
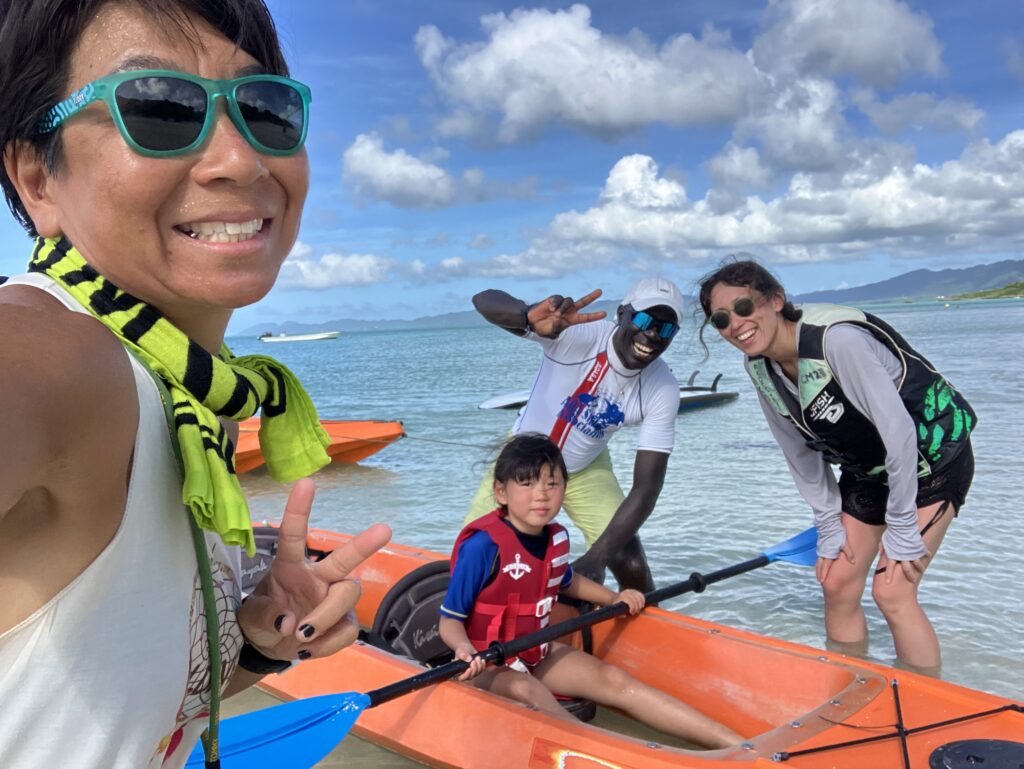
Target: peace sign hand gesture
(552,316)
(301,608)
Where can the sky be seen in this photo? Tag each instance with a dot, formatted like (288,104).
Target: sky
(457,145)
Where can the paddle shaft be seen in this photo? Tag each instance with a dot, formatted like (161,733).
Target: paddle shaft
(498,652)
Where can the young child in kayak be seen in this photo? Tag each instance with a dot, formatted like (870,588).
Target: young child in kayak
(507,569)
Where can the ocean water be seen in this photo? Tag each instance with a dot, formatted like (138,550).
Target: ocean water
(728,494)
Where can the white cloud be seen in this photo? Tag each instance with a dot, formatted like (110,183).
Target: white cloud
(634,182)
(898,205)
(539,66)
(333,270)
(300,250)
(395,177)
(739,167)
(918,110)
(546,258)
(481,241)
(453,264)
(799,126)
(406,181)
(879,42)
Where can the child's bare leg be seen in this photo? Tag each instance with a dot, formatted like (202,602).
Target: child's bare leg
(573,673)
(521,687)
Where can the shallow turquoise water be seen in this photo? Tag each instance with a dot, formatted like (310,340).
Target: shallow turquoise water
(728,493)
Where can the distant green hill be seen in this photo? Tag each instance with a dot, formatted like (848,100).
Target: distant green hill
(926,284)
(1003,292)
(920,284)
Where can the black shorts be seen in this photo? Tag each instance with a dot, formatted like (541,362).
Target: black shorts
(867,500)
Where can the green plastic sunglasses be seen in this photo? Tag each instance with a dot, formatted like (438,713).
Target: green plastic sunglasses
(162,113)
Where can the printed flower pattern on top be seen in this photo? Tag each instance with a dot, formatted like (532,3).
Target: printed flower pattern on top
(196,702)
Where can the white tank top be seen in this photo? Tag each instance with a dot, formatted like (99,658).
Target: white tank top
(112,672)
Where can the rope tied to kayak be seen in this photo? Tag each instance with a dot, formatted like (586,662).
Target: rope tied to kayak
(901,731)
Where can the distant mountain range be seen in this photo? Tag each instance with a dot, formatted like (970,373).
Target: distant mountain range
(926,284)
(918,284)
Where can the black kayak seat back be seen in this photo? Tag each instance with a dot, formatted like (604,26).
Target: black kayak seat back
(407,617)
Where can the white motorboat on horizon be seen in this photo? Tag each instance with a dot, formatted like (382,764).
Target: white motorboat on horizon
(310,337)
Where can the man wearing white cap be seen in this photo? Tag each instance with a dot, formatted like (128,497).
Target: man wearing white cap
(596,377)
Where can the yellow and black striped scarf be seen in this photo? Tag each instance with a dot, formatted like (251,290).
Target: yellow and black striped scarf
(203,387)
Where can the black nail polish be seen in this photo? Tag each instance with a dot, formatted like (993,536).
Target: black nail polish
(304,655)
(307,630)
(278,622)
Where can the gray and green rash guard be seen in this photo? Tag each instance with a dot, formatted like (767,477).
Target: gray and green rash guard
(885,440)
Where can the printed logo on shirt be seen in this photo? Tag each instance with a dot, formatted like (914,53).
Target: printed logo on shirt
(592,415)
(824,409)
(516,570)
(813,375)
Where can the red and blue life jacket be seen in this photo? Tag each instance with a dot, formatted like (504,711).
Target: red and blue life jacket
(519,598)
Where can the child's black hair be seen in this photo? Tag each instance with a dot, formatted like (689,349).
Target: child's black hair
(525,455)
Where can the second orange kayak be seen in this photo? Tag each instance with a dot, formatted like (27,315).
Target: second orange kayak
(351,441)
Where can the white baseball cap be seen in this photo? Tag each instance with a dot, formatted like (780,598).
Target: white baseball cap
(652,292)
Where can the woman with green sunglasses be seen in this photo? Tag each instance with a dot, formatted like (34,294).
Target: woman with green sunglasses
(162,113)
(839,386)
(154,152)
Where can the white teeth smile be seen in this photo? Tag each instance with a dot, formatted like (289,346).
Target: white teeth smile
(642,350)
(222,232)
(745,335)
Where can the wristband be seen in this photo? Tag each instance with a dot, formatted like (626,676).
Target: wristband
(255,661)
(526,318)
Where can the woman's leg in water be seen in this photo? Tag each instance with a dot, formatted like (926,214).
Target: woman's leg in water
(843,588)
(917,645)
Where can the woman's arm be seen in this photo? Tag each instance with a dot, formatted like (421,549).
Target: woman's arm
(814,479)
(867,371)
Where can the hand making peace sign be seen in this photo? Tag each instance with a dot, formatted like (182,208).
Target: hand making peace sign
(552,316)
(303,608)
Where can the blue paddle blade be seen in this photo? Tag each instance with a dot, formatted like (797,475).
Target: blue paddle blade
(292,735)
(801,549)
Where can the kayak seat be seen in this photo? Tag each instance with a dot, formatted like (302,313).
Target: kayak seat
(254,568)
(407,617)
(407,624)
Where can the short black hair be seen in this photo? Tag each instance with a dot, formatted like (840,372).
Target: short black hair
(742,270)
(524,457)
(38,37)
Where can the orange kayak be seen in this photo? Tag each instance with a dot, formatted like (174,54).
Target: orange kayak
(784,697)
(351,441)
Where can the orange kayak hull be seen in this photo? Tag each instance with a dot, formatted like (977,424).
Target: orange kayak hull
(351,441)
(785,697)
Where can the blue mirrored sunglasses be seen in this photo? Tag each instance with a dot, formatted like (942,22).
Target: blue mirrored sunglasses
(666,329)
(162,113)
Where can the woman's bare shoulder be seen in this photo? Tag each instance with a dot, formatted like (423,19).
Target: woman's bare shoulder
(69,378)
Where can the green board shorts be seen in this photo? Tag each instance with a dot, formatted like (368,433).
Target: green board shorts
(591,497)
